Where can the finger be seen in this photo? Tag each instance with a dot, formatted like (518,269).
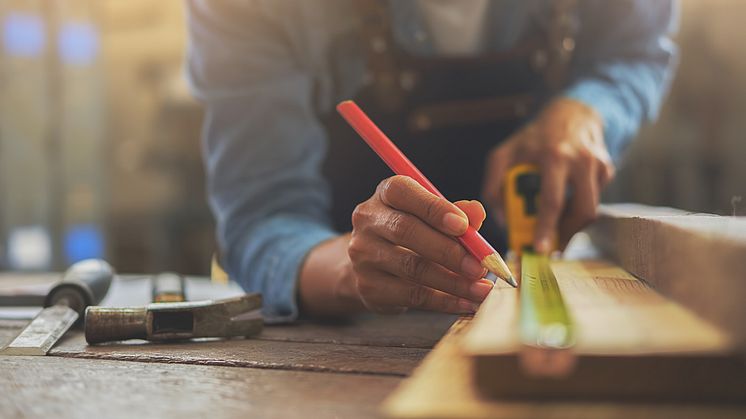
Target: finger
(383,291)
(551,202)
(606,173)
(406,264)
(606,170)
(497,165)
(408,231)
(405,194)
(583,204)
(474,210)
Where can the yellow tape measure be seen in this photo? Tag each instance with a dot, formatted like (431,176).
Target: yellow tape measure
(544,319)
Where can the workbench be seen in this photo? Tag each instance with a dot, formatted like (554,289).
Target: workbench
(305,369)
(308,369)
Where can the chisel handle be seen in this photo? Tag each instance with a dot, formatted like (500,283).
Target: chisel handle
(85,283)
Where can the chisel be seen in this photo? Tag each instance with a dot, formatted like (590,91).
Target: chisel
(85,283)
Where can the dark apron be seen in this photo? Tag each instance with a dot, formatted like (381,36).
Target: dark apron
(446,115)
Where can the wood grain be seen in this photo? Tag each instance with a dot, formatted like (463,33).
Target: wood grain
(414,329)
(632,343)
(50,387)
(391,345)
(252,353)
(698,260)
(443,387)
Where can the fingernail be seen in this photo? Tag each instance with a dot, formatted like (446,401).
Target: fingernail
(455,223)
(467,306)
(480,289)
(471,267)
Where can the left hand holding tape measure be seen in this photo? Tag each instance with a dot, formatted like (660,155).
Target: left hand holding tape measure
(566,142)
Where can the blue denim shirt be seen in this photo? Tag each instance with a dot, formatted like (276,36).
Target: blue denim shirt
(265,70)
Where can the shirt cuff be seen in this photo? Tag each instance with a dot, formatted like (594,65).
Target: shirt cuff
(272,256)
(619,126)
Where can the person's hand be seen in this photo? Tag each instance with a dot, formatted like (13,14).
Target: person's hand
(404,253)
(566,142)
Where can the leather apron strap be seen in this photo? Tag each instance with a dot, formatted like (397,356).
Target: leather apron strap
(437,109)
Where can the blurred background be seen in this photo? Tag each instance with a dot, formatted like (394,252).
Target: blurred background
(99,137)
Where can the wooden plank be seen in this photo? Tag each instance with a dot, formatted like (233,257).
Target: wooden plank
(698,260)
(49,387)
(414,329)
(443,387)
(252,353)
(305,346)
(631,343)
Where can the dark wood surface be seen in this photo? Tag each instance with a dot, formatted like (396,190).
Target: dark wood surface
(305,369)
(53,387)
(256,353)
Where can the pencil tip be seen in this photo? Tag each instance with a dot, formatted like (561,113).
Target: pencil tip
(495,264)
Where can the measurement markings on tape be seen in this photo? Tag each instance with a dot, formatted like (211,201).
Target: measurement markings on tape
(544,319)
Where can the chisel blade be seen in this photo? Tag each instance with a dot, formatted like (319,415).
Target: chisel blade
(43,332)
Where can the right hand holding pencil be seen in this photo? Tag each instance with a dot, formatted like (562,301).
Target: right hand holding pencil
(404,252)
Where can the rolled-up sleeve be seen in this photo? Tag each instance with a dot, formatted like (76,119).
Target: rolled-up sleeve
(624,63)
(263,147)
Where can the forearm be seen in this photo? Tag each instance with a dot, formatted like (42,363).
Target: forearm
(268,256)
(625,95)
(624,64)
(326,286)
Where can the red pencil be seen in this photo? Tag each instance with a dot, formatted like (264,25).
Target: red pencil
(400,164)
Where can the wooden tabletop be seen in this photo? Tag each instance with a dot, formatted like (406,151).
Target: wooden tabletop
(306,369)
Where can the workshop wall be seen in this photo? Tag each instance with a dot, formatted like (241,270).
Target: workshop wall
(99,137)
(694,156)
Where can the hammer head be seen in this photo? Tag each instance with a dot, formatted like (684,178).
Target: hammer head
(231,317)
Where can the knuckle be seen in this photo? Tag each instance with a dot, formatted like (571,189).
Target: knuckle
(451,254)
(418,296)
(415,266)
(355,249)
(434,208)
(401,226)
(357,215)
(557,152)
(391,188)
(360,216)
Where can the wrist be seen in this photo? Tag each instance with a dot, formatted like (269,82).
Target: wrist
(326,286)
(573,109)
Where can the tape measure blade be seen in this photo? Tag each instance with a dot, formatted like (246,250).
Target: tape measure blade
(545,321)
(43,332)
